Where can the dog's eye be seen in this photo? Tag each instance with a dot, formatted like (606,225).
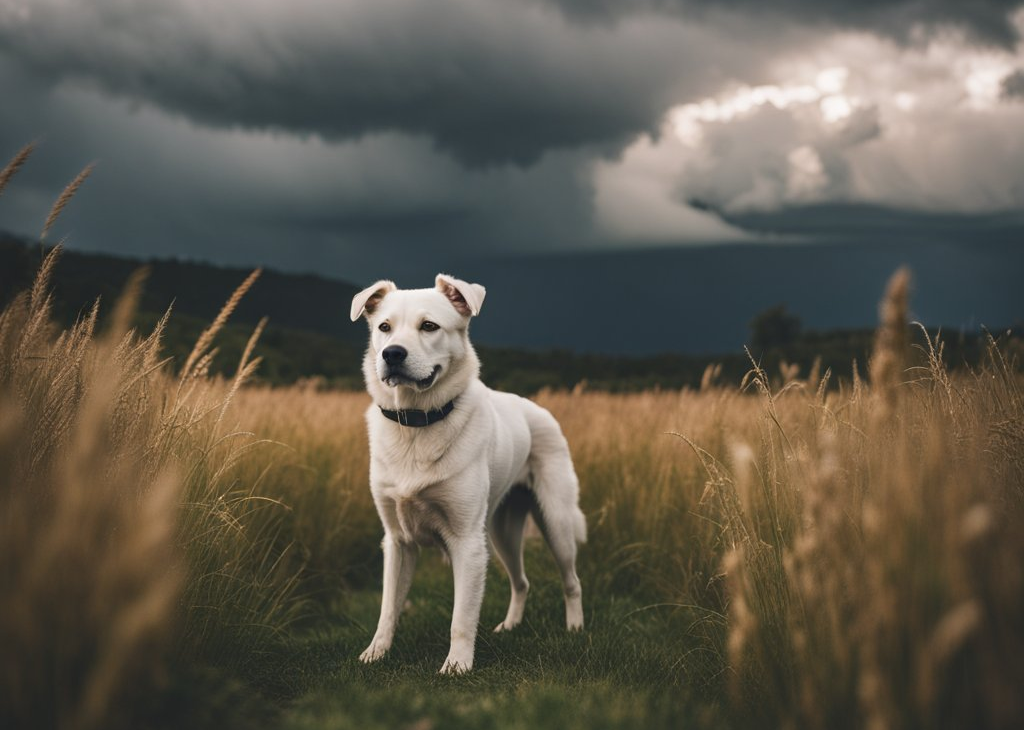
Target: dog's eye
(429,326)
(384,327)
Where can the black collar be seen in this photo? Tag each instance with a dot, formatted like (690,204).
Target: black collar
(419,419)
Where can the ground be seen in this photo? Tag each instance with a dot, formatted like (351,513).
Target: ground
(635,665)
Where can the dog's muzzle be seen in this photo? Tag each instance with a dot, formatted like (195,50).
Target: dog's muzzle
(396,375)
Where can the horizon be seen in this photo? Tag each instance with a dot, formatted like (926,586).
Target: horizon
(512,321)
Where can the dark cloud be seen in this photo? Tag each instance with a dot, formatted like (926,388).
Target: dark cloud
(1012,86)
(488,82)
(166,187)
(866,222)
(339,137)
(985,21)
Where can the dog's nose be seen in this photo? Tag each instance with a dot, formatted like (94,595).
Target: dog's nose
(394,354)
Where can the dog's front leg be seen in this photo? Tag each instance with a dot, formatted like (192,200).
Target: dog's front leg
(469,565)
(399,564)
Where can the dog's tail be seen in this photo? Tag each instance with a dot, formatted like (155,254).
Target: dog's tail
(579,526)
(555,485)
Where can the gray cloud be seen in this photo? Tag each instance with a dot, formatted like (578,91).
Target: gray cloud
(985,21)
(770,158)
(166,187)
(1012,86)
(336,137)
(859,222)
(488,82)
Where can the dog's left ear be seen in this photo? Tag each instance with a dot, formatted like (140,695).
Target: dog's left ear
(368,299)
(465,297)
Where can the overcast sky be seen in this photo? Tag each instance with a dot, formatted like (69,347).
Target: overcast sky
(329,136)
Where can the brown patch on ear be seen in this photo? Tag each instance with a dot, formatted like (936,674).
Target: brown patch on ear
(369,298)
(371,304)
(455,297)
(465,297)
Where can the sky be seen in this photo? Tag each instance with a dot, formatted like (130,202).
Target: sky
(399,137)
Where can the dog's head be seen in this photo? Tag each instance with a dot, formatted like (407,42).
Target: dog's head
(417,336)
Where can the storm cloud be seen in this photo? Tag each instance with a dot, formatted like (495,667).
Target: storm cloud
(858,121)
(984,21)
(488,82)
(1013,85)
(165,186)
(325,135)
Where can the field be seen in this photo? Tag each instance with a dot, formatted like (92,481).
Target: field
(184,550)
(181,549)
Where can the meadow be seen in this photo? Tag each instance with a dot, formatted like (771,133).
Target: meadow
(185,550)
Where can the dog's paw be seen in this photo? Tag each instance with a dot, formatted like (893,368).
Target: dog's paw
(455,666)
(376,650)
(505,626)
(574,614)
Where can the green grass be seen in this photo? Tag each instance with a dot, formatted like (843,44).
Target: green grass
(636,665)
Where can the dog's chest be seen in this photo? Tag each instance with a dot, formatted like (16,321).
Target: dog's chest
(412,457)
(421,519)
(428,483)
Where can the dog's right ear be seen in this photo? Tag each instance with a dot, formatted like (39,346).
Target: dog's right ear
(465,297)
(367,300)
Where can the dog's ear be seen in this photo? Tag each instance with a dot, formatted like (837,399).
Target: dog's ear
(465,297)
(367,300)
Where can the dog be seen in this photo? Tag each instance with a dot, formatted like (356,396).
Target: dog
(453,463)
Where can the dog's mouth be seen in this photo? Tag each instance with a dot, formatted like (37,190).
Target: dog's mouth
(397,377)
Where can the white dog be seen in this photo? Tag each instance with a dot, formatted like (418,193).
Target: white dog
(452,461)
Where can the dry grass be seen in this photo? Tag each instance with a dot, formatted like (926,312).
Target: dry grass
(850,553)
(874,576)
(128,541)
(86,517)
(125,529)
(127,538)
(15,163)
(321,467)
(65,197)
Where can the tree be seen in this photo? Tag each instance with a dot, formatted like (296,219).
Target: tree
(773,328)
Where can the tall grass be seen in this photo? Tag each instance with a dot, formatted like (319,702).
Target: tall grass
(322,464)
(874,572)
(85,519)
(129,541)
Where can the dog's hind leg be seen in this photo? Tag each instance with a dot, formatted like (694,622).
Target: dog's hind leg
(507,538)
(558,527)
(556,489)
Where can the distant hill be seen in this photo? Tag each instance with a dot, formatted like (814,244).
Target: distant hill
(292,301)
(310,334)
